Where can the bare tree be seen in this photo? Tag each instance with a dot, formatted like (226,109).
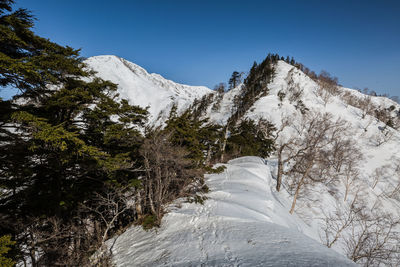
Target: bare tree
(370,236)
(349,178)
(378,174)
(366,106)
(294,90)
(168,175)
(323,94)
(281,146)
(373,239)
(53,241)
(109,206)
(384,135)
(328,83)
(395,192)
(306,151)
(337,223)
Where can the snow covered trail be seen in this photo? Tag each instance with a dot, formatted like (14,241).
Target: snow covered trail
(243,223)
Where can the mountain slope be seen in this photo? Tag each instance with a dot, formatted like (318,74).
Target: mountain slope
(378,176)
(244,222)
(144,89)
(242,200)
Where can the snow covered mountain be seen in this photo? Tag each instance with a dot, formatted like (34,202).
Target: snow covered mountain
(245,221)
(145,89)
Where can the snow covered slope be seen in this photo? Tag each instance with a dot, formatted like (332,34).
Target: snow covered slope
(244,222)
(378,178)
(144,89)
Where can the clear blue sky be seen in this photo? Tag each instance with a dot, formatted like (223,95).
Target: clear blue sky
(202,42)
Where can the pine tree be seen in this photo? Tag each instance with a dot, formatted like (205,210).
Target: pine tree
(5,246)
(59,148)
(234,80)
(251,139)
(198,136)
(255,86)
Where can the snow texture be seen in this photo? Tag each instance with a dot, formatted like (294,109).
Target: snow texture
(144,89)
(244,222)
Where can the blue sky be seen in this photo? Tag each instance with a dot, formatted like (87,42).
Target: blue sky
(202,42)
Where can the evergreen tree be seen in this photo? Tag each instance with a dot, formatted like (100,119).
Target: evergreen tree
(198,136)
(234,80)
(255,86)
(59,148)
(251,139)
(5,246)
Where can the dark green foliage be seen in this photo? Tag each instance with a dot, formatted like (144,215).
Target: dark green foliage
(220,89)
(149,222)
(255,85)
(219,169)
(27,61)
(59,148)
(67,146)
(234,80)
(199,107)
(205,189)
(197,199)
(197,136)
(251,139)
(5,246)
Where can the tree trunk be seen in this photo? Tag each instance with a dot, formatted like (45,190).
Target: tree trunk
(280,170)
(224,144)
(138,205)
(296,194)
(208,159)
(346,192)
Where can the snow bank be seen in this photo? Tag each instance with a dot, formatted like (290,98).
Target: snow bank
(244,222)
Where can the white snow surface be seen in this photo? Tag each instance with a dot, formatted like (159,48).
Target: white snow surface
(365,133)
(144,89)
(244,222)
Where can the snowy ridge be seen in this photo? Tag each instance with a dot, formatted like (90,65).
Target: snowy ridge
(244,222)
(365,132)
(144,89)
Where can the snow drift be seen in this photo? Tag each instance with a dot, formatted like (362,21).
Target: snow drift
(244,222)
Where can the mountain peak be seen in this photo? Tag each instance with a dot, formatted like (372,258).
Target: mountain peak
(143,88)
